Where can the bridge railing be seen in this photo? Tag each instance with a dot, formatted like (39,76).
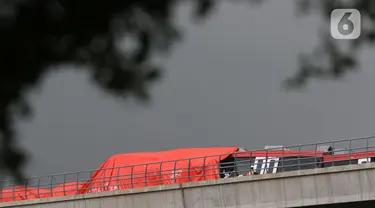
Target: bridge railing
(210,167)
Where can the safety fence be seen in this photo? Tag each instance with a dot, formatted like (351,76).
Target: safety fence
(208,167)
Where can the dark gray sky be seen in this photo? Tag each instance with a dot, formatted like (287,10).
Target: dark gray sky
(222,87)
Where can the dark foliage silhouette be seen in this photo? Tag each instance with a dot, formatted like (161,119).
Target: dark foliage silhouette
(333,59)
(39,36)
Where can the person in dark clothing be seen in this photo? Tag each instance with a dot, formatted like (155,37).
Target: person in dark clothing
(330,150)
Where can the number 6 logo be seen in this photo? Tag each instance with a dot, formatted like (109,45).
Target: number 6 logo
(345,24)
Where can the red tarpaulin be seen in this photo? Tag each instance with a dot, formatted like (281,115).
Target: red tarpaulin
(21,193)
(136,170)
(67,189)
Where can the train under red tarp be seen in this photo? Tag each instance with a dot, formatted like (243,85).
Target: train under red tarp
(19,193)
(67,189)
(135,170)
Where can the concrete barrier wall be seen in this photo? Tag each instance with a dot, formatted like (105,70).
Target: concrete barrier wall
(290,189)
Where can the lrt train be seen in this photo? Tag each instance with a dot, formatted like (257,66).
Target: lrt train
(274,161)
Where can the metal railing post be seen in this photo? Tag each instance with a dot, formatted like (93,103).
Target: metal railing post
(161,174)
(189,169)
(204,169)
(332,153)
(25,189)
(64,185)
(51,184)
(104,176)
(174,171)
(252,164)
(38,186)
(282,158)
(118,178)
(13,197)
(146,175)
(226,163)
(299,160)
(77,181)
(266,165)
(315,160)
(367,159)
(131,176)
(350,152)
(235,169)
(91,181)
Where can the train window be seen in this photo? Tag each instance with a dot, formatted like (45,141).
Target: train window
(364,160)
(258,165)
(295,163)
(271,166)
(266,164)
(348,162)
(261,165)
(310,162)
(227,168)
(243,165)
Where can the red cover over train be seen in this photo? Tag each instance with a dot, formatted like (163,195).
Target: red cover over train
(136,170)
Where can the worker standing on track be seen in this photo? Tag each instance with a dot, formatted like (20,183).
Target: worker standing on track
(251,172)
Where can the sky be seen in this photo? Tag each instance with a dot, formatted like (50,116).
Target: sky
(222,87)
